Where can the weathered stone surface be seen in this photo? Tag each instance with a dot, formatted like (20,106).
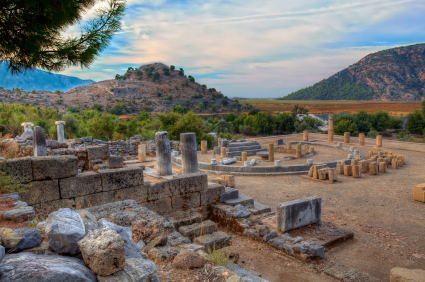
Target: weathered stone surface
(64,228)
(159,190)
(54,167)
(30,267)
(137,193)
(231,252)
(105,211)
(193,217)
(10,196)
(2,253)
(131,248)
(94,199)
(147,230)
(297,213)
(42,249)
(239,211)
(198,229)
(399,274)
(44,209)
(20,214)
(31,238)
(212,194)
(262,230)
(216,240)
(80,185)
(188,259)
(193,182)
(10,238)
(39,142)
(89,220)
(161,254)
(115,162)
(162,206)
(41,191)
(419,193)
(270,236)
(98,152)
(135,270)
(158,241)
(119,178)
(186,201)
(103,251)
(19,168)
(189,153)
(175,239)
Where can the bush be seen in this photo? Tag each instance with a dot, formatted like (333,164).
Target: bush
(415,122)
(372,134)
(118,109)
(172,67)
(155,76)
(97,107)
(58,92)
(166,71)
(345,126)
(59,101)
(191,78)
(404,136)
(181,72)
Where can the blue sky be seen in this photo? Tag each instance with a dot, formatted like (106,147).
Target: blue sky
(257,49)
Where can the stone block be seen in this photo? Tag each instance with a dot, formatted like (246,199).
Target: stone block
(348,170)
(119,178)
(98,152)
(115,162)
(212,194)
(419,192)
(19,168)
(20,215)
(137,193)
(298,213)
(230,181)
(96,199)
(399,274)
(198,229)
(162,206)
(356,170)
(373,168)
(363,166)
(194,182)
(41,191)
(216,240)
(382,167)
(340,167)
(45,208)
(80,185)
(186,201)
(86,139)
(54,167)
(159,190)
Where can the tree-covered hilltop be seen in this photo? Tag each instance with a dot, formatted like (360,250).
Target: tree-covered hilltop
(396,74)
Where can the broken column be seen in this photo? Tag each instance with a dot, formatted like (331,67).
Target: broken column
(348,170)
(39,142)
(61,131)
(305,135)
(298,213)
(356,171)
(340,167)
(189,153)
(204,147)
(28,132)
(331,128)
(373,168)
(382,167)
(271,152)
(298,151)
(394,163)
(223,152)
(311,149)
(363,166)
(346,137)
(230,179)
(378,140)
(244,156)
(288,146)
(163,154)
(361,139)
(419,193)
(142,152)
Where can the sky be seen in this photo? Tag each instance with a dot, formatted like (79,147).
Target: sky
(253,48)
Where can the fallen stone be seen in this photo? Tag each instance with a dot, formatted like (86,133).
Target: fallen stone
(135,270)
(161,254)
(31,238)
(270,236)
(193,217)
(64,228)
(399,274)
(216,241)
(240,211)
(198,229)
(175,239)
(42,249)
(10,238)
(89,220)
(147,230)
(30,267)
(188,259)
(229,252)
(192,247)
(297,213)
(158,241)
(262,230)
(20,215)
(11,196)
(103,251)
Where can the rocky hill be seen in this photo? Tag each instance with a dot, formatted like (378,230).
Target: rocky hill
(396,74)
(153,88)
(38,80)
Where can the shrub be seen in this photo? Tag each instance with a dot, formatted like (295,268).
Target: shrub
(181,72)
(404,136)
(59,101)
(155,76)
(58,92)
(97,107)
(415,122)
(345,126)
(172,67)
(191,78)
(166,71)
(372,134)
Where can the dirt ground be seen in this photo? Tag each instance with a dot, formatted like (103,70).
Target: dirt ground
(389,226)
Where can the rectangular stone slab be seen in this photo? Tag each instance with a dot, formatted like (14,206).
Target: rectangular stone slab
(119,178)
(54,167)
(198,229)
(298,213)
(80,185)
(41,191)
(216,240)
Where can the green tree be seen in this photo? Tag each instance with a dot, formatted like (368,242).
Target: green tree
(31,33)
(263,123)
(345,126)
(97,107)
(166,71)
(181,71)
(296,110)
(71,126)
(191,78)
(415,122)
(143,116)
(172,67)
(224,126)
(155,76)
(118,109)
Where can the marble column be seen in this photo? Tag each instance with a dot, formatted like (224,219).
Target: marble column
(142,152)
(28,132)
(163,153)
(61,131)
(39,142)
(189,153)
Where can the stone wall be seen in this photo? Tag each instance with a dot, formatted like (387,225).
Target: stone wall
(53,182)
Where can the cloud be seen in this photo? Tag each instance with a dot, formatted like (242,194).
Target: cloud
(245,46)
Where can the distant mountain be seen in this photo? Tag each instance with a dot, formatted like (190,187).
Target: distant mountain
(396,74)
(38,80)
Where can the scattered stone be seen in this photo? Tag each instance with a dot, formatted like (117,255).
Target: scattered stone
(10,238)
(175,238)
(198,229)
(161,254)
(2,253)
(103,251)
(239,211)
(270,236)
(158,241)
(216,241)
(30,267)
(262,230)
(297,213)
(142,270)
(42,249)
(20,215)
(31,238)
(231,252)
(147,229)
(188,259)
(192,247)
(90,223)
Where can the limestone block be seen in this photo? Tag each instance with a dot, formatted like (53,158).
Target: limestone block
(400,158)
(115,162)
(315,170)
(204,147)
(288,146)
(382,167)
(399,163)
(19,168)
(369,154)
(305,135)
(41,191)
(163,206)
(230,181)
(80,185)
(378,140)
(332,175)
(96,199)
(218,240)
(373,168)
(348,170)
(354,162)
(54,167)
(244,156)
(363,166)
(212,194)
(361,139)
(340,168)
(186,201)
(375,149)
(356,171)
(311,149)
(198,229)
(419,192)
(98,152)
(21,214)
(193,182)
(310,171)
(298,151)
(137,193)
(399,274)
(119,178)
(159,190)
(346,137)
(142,152)
(322,173)
(45,208)
(223,152)
(298,213)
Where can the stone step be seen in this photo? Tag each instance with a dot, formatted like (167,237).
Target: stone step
(259,208)
(216,241)
(241,200)
(243,148)
(229,194)
(198,229)
(249,152)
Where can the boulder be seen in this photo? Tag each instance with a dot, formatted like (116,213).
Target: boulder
(216,241)
(188,259)
(42,249)
(31,238)
(262,230)
(64,228)
(239,211)
(90,222)
(41,228)
(147,230)
(161,254)
(158,241)
(25,266)
(10,238)
(270,236)
(103,251)
(135,270)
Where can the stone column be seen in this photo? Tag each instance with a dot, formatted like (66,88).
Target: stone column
(378,140)
(204,147)
(163,154)
(142,152)
(288,146)
(189,153)
(298,150)
(244,156)
(346,137)
(61,131)
(271,152)
(39,142)
(331,128)
(28,132)
(361,139)
(223,152)
(305,135)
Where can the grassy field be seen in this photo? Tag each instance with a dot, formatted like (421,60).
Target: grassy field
(337,106)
